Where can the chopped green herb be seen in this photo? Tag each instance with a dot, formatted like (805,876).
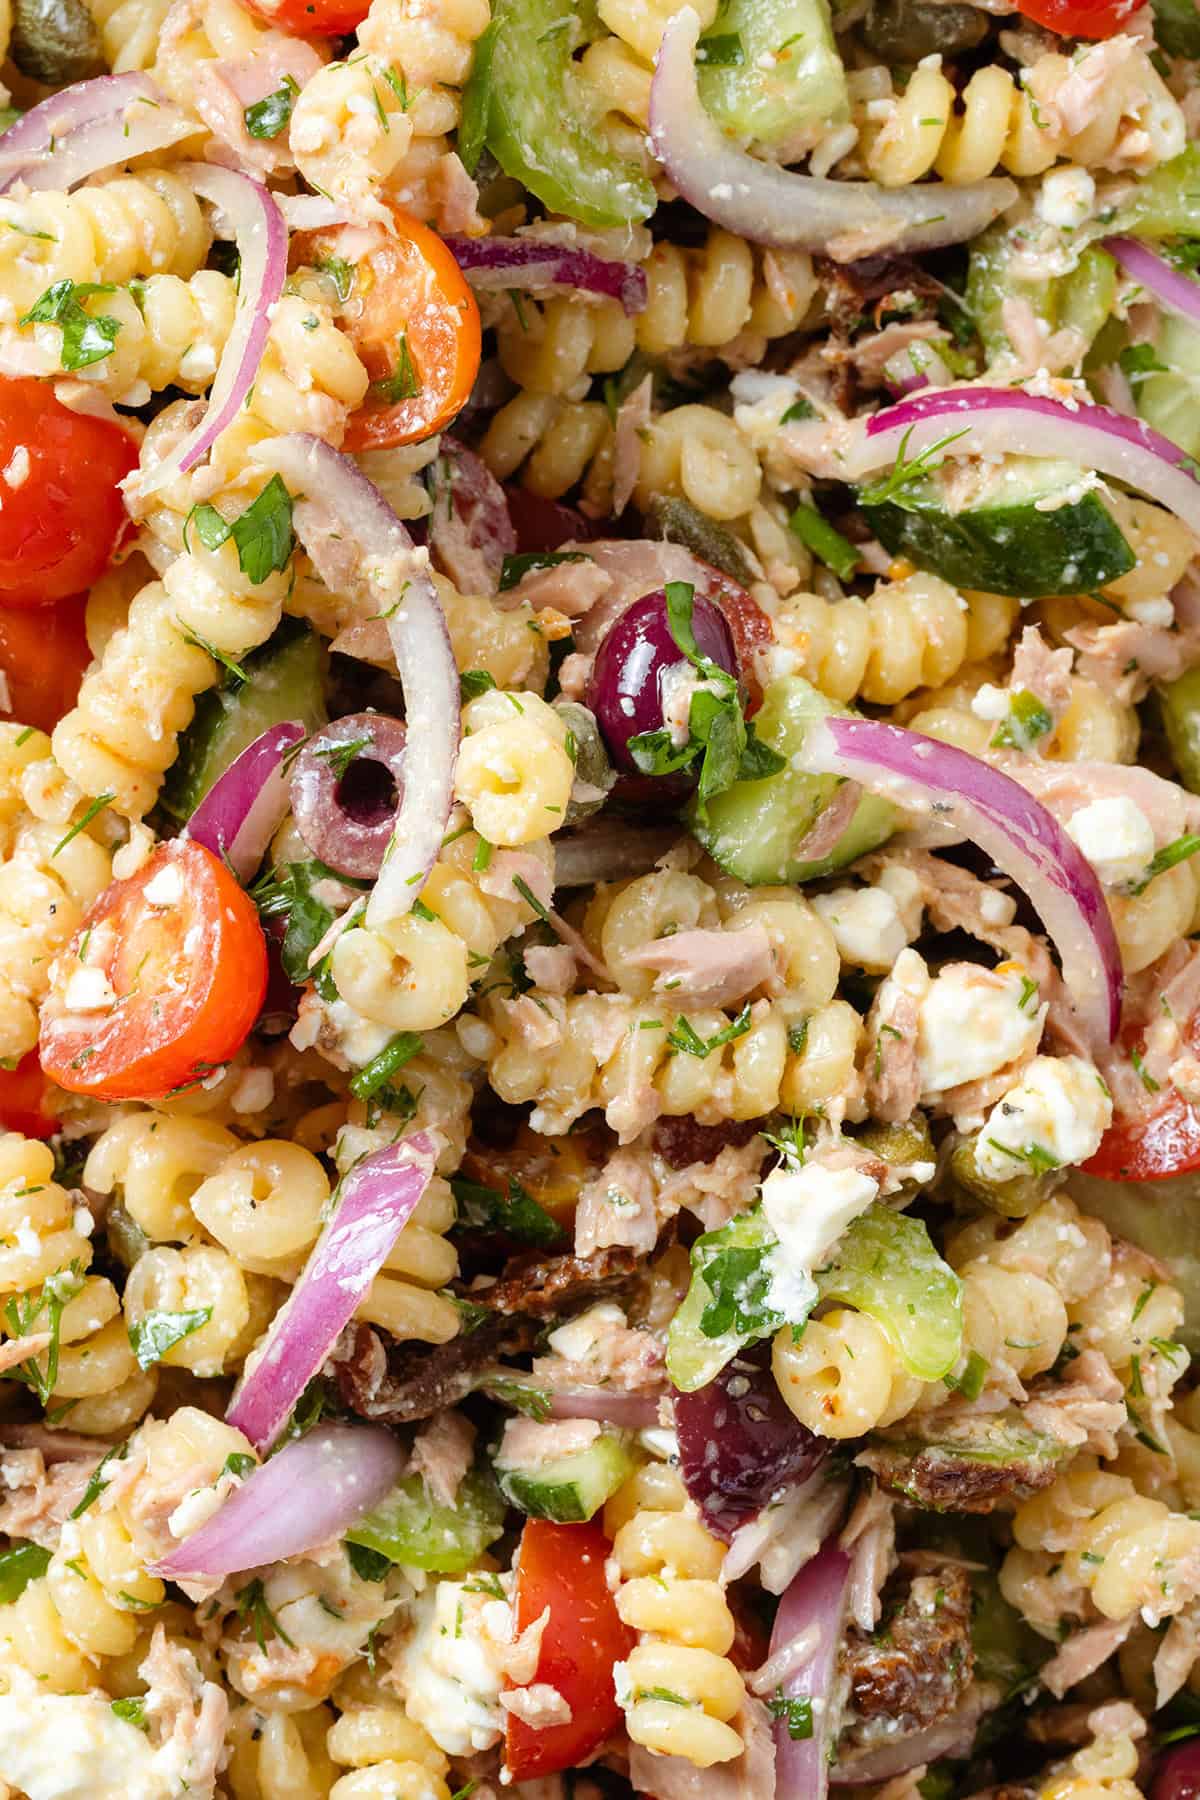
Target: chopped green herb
(368,1565)
(19,1565)
(403,383)
(153,1335)
(797,1714)
(132,1710)
(825,542)
(392,1058)
(251,1603)
(1177,851)
(272,115)
(86,339)
(684,1037)
(94,810)
(517,566)
(474,682)
(906,472)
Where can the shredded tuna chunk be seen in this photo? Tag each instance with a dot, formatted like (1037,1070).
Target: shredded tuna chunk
(1085,1410)
(36,1501)
(1084,1652)
(187,1714)
(442,1453)
(618,1206)
(708,968)
(538,1706)
(633,416)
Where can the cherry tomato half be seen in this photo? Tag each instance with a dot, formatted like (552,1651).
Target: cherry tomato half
(24,1099)
(413,320)
(1151,1149)
(188,966)
(1080,18)
(43,654)
(562,1567)
(313,18)
(62,511)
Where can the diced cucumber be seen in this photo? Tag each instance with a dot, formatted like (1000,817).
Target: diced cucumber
(769,70)
(1169,398)
(1177,27)
(1038,530)
(408,1527)
(570,1488)
(1180,703)
(1165,203)
(532,108)
(752,829)
(283,681)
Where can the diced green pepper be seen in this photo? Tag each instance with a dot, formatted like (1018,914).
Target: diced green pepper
(409,1527)
(776,74)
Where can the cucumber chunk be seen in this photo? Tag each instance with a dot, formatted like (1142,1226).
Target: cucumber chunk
(408,1527)
(569,1489)
(769,70)
(1167,397)
(283,681)
(1180,704)
(1034,531)
(753,827)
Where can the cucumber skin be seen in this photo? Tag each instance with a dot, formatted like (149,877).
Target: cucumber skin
(570,1489)
(771,100)
(284,681)
(1014,550)
(750,827)
(409,1527)
(1180,705)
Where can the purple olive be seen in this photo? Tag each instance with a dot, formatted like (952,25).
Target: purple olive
(1177,1775)
(347,786)
(739,1443)
(626,692)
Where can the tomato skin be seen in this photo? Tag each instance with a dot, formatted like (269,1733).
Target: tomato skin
(312,18)
(562,1567)
(1080,18)
(189,976)
(43,654)
(409,284)
(23,1099)
(1153,1149)
(60,525)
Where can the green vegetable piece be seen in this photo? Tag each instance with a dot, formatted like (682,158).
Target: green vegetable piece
(1179,704)
(1165,203)
(726,1306)
(1167,392)
(1014,1199)
(154,1335)
(19,1565)
(753,828)
(408,1527)
(825,542)
(569,1489)
(1033,532)
(593,767)
(269,117)
(1160,1218)
(677,521)
(126,1239)
(886,1266)
(970,1463)
(55,41)
(515,1215)
(788,79)
(1177,27)
(284,680)
(538,124)
(903,31)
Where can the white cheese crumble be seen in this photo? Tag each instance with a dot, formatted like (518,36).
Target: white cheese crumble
(1055,1116)
(74,1747)
(1116,837)
(451,1668)
(88,990)
(1067,197)
(808,1209)
(970,1021)
(866,924)
(1158,612)
(579,1336)
(165,886)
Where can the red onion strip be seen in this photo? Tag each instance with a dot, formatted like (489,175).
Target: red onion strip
(345,514)
(261,237)
(770,205)
(498,263)
(1157,276)
(87,128)
(630,1412)
(373,1204)
(999,421)
(817,1597)
(243,808)
(1022,838)
(314,1490)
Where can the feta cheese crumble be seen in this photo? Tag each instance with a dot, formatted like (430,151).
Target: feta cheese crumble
(808,1209)
(1116,837)
(451,1670)
(1054,1116)
(970,1021)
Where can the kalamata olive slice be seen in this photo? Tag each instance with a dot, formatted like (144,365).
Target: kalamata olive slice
(1177,1773)
(739,1443)
(627,686)
(346,791)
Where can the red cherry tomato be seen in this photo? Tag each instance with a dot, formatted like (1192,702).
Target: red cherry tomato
(413,320)
(23,1099)
(1151,1149)
(188,966)
(1080,18)
(562,1567)
(313,18)
(62,515)
(43,654)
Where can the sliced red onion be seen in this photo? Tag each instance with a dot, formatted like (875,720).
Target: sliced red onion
(1022,838)
(312,1492)
(89,127)
(999,421)
(739,1444)
(355,538)
(758,200)
(816,1600)
(243,808)
(470,532)
(630,1412)
(345,821)
(252,218)
(1157,276)
(373,1204)
(498,263)
(609,849)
